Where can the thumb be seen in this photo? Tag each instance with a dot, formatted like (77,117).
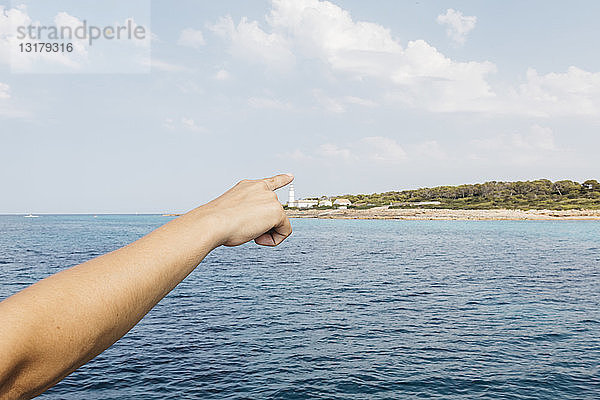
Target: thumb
(278,181)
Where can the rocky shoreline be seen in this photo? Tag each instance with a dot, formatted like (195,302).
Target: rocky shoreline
(447,214)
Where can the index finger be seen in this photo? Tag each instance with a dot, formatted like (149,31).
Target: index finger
(278,181)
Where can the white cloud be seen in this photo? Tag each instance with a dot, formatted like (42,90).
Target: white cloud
(537,143)
(540,138)
(183,123)
(295,155)
(457,25)
(414,74)
(79,59)
(160,65)
(222,75)
(338,105)
(368,149)
(379,148)
(190,86)
(146,42)
(428,150)
(250,42)
(191,38)
(7,108)
(64,19)
(169,124)
(190,124)
(323,31)
(575,92)
(4,91)
(328,103)
(330,150)
(10,18)
(268,103)
(360,101)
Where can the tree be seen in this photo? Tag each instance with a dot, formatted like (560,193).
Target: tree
(591,184)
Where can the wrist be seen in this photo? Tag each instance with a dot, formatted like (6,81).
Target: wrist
(209,225)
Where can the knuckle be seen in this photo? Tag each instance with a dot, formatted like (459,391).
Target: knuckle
(265,185)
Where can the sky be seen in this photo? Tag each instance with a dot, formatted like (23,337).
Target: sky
(350,96)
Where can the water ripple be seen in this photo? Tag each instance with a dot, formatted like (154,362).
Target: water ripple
(346,310)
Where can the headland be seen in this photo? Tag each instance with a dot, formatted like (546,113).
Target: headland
(445,214)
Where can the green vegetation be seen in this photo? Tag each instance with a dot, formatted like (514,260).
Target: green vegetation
(539,194)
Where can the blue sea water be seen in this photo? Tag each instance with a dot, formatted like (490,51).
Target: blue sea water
(345,310)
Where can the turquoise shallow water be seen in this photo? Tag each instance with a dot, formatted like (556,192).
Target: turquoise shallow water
(346,309)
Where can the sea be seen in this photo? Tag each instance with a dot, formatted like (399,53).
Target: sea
(345,309)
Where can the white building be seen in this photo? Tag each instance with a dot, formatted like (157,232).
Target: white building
(292,202)
(325,203)
(342,202)
(306,203)
(291,195)
(426,203)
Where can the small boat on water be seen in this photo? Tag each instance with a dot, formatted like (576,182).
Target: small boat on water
(31,216)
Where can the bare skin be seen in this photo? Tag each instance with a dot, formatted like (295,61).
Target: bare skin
(51,328)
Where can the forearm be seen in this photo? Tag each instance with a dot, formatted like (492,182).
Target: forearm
(56,325)
(49,338)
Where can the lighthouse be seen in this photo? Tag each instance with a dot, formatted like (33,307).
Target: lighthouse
(291,196)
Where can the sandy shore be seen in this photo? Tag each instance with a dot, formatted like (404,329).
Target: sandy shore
(443,214)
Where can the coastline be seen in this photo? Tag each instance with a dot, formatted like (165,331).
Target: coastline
(448,214)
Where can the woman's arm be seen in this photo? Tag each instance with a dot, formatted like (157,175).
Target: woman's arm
(58,324)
